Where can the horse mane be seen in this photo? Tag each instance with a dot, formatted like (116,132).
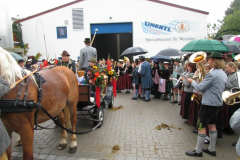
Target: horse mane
(10,71)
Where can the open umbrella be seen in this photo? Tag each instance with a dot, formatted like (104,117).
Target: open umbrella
(232,42)
(227,36)
(169,52)
(160,58)
(16,56)
(233,48)
(133,51)
(206,45)
(235,38)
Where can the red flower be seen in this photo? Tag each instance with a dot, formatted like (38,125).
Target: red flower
(94,78)
(96,74)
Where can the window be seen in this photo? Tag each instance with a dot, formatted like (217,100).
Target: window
(77,17)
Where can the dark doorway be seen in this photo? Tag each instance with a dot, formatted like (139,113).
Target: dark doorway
(112,43)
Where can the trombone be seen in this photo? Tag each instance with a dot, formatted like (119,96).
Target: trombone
(198,57)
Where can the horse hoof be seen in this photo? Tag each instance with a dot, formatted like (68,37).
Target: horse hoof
(73,150)
(18,144)
(62,146)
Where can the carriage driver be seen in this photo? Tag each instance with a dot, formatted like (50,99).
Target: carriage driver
(67,62)
(4,138)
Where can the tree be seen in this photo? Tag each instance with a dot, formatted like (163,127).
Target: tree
(235,5)
(231,24)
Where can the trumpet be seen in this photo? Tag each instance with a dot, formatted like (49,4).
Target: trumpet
(230,98)
(179,79)
(198,57)
(237,57)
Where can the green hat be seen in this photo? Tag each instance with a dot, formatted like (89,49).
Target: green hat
(87,40)
(94,60)
(216,55)
(177,60)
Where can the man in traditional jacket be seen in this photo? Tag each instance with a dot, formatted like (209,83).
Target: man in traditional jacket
(86,54)
(4,138)
(146,78)
(67,62)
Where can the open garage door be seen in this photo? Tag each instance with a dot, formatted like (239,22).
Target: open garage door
(112,38)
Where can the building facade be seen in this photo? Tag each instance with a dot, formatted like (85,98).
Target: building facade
(151,24)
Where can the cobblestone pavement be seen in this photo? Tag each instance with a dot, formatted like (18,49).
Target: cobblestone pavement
(133,129)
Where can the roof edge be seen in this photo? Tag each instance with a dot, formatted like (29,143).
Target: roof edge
(76,1)
(50,10)
(178,6)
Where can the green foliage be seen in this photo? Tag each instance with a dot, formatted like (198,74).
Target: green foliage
(38,55)
(231,24)
(235,5)
(212,29)
(17,29)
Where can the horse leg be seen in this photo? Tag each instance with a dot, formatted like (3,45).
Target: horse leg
(8,151)
(26,134)
(63,141)
(73,143)
(67,118)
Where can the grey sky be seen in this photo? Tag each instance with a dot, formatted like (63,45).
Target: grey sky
(25,8)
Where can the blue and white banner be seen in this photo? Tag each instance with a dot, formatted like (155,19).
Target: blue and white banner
(182,26)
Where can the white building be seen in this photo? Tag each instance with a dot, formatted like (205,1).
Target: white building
(152,24)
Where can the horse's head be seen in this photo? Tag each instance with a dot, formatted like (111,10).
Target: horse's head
(10,71)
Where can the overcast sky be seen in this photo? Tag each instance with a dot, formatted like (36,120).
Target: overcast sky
(25,8)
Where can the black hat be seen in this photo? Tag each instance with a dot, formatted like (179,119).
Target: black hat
(65,53)
(141,58)
(216,55)
(20,61)
(87,40)
(136,60)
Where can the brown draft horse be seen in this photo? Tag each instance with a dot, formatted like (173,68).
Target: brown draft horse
(59,90)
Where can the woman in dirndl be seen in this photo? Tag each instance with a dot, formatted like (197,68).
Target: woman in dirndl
(119,70)
(155,77)
(127,79)
(188,89)
(164,84)
(228,110)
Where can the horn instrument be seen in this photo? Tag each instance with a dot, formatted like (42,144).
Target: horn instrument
(94,36)
(198,57)
(230,98)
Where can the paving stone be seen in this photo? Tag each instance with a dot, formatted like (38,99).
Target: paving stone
(41,156)
(133,129)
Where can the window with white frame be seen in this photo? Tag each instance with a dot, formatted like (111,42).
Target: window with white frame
(77,18)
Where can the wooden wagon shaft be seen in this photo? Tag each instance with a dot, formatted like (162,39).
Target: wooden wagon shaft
(22,78)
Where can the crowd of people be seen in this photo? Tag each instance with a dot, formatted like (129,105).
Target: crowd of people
(197,89)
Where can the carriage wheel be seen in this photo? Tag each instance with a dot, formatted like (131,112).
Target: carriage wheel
(112,102)
(100,116)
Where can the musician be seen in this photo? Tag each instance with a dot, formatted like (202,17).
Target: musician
(86,54)
(177,71)
(28,65)
(188,89)
(136,81)
(127,79)
(212,88)
(67,62)
(146,78)
(119,71)
(232,82)
(155,76)
(5,141)
(21,63)
(164,74)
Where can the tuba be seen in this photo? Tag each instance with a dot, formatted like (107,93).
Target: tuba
(230,98)
(237,57)
(198,57)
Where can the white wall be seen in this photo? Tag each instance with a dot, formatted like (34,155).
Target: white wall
(99,11)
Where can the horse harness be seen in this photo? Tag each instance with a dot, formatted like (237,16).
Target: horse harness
(17,106)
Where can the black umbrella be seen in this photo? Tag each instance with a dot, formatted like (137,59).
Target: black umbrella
(233,48)
(160,58)
(169,52)
(133,51)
